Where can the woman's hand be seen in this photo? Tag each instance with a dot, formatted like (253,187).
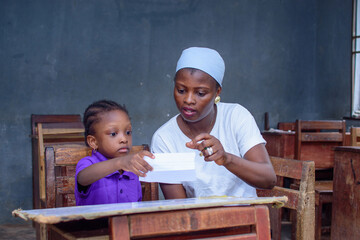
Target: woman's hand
(135,163)
(210,147)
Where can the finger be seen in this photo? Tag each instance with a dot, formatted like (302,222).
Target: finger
(144,162)
(194,143)
(139,173)
(143,166)
(148,154)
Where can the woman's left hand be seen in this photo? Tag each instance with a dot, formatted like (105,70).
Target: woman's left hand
(210,147)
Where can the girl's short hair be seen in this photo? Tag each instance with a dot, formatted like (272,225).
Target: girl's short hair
(92,112)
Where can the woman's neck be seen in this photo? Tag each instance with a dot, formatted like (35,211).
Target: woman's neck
(192,129)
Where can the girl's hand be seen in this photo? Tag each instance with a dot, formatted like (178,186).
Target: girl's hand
(135,163)
(210,147)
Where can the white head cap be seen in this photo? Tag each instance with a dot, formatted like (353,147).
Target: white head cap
(204,59)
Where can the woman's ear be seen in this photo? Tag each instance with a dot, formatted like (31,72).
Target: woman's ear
(218,91)
(91,141)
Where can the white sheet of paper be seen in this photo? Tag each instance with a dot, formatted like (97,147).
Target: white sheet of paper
(171,168)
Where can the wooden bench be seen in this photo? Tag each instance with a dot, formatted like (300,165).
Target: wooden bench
(301,200)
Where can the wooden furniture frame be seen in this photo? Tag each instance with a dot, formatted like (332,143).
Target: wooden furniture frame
(60,166)
(301,200)
(60,162)
(286,126)
(319,132)
(168,225)
(38,124)
(355,136)
(210,218)
(345,222)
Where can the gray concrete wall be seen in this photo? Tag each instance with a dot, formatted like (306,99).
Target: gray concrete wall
(289,58)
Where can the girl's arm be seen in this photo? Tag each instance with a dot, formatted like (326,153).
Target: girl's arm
(133,163)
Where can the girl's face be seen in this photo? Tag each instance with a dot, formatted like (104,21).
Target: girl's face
(194,94)
(113,136)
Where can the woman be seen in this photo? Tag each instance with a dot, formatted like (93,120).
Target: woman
(233,160)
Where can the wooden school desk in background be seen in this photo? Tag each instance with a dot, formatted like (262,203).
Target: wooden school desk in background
(345,222)
(223,217)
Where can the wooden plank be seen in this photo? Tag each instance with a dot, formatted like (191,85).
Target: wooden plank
(262,222)
(322,137)
(71,154)
(119,228)
(285,168)
(345,222)
(324,124)
(292,195)
(176,222)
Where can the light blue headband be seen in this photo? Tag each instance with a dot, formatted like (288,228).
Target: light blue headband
(204,59)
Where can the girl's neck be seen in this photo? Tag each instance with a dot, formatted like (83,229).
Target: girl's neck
(192,129)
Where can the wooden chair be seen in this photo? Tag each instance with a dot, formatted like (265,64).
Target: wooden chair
(60,162)
(301,200)
(328,134)
(355,136)
(60,165)
(39,136)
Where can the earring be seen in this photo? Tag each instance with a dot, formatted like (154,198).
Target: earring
(95,150)
(217,99)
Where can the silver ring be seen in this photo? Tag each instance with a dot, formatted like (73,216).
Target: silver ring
(210,151)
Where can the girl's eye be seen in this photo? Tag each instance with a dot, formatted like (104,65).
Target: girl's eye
(113,134)
(128,133)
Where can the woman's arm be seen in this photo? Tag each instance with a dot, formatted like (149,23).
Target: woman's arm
(173,191)
(255,168)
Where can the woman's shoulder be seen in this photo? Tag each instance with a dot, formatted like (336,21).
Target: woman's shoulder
(232,108)
(170,125)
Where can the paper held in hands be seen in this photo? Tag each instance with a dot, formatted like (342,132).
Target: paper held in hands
(171,168)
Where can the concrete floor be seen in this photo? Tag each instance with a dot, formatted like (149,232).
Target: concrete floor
(17,232)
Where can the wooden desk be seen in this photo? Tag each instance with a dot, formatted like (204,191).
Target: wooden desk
(282,144)
(247,218)
(345,223)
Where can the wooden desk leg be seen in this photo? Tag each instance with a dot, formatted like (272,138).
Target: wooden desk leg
(121,231)
(262,222)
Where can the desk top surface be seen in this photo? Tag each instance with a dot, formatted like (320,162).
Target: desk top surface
(65,214)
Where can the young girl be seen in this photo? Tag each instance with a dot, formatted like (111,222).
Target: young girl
(110,174)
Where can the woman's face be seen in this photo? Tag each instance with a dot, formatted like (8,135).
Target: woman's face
(194,94)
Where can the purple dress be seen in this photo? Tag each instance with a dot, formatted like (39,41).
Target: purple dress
(114,188)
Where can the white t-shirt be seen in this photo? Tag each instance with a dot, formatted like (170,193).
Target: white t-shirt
(236,129)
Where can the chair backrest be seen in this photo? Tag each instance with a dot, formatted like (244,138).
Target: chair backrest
(309,135)
(40,137)
(55,133)
(355,136)
(61,160)
(301,200)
